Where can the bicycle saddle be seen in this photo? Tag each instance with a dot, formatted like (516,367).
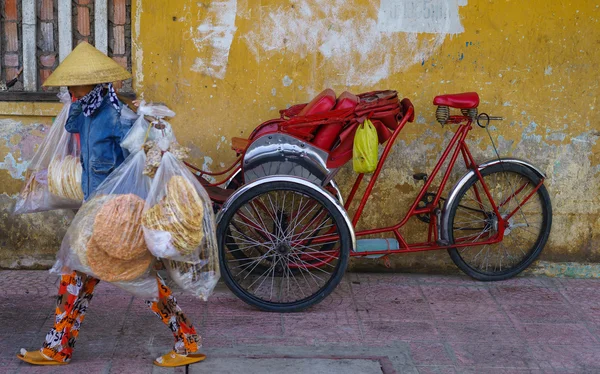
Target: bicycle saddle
(466,100)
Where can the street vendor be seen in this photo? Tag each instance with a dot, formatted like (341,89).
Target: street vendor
(96,117)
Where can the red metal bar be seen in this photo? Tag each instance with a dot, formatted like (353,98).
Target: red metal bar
(353,191)
(518,191)
(202,172)
(458,137)
(384,156)
(525,200)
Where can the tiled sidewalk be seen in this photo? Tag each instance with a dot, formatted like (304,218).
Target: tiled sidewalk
(391,322)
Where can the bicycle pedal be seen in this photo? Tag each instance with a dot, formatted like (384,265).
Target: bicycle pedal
(420,177)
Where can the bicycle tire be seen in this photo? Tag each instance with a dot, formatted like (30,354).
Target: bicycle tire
(224,231)
(458,254)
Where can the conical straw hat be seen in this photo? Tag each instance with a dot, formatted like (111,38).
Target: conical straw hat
(86,65)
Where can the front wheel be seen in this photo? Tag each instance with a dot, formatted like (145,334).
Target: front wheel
(283,245)
(472,221)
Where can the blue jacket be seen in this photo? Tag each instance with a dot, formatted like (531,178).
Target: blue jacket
(100,135)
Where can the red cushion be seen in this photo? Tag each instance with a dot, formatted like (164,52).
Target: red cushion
(320,104)
(467,100)
(346,100)
(327,135)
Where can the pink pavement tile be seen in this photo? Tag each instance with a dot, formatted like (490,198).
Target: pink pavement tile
(74,367)
(10,365)
(447,280)
(554,312)
(382,278)
(575,282)
(265,324)
(430,354)
(131,366)
(436,370)
(340,299)
(388,302)
(525,295)
(458,311)
(582,295)
(386,292)
(511,371)
(567,357)
(395,310)
(339,327)
(587,312)
(287,341)
(216,341)
(456,294)
(384,332)
(490,355)
(529,281)
(556,333)
(471,332)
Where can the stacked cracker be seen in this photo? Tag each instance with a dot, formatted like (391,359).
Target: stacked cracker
(180,213)
(115,251)
(64,178)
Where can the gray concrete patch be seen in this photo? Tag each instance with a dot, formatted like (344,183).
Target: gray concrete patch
(286,365)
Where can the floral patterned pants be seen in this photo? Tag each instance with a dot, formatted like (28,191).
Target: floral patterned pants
(74,295)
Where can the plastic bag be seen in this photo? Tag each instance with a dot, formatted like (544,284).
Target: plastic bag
(365,152)
(178,217)
(53,179)
(142,130)
(193,278)
(106,240)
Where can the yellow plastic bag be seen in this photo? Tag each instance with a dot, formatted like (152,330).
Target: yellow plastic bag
(364,154)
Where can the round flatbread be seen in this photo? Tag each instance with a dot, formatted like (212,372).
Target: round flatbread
(111,269)
(181,213)
(81,228)
(118,227)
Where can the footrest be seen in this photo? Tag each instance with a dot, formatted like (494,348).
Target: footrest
(371,245)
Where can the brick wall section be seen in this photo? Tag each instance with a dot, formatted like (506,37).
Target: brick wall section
(11,41)
(83,27)
(47,46)
(119,34)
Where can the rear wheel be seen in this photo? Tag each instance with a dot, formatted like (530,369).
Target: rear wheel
(284,245)
(472,220)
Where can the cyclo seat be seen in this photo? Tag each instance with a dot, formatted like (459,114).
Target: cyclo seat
(466,100)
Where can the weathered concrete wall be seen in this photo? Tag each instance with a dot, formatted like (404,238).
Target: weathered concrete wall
(225,66)
(32,240)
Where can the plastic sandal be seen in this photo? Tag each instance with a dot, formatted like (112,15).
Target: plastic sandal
(173,359)
(37,358)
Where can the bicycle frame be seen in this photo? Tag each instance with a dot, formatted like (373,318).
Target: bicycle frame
(456,146)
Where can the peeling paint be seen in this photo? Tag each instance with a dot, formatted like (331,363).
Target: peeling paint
(215,34)
(360,50)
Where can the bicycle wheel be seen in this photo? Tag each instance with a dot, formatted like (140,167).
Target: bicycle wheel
(472,220)
(296,235)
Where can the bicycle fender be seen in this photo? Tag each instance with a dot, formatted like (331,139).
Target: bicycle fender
(471,174)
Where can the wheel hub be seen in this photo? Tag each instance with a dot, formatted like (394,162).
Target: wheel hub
(283,248)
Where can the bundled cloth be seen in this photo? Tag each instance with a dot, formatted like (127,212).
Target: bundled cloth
(53,178)
(179,226)
(106,239)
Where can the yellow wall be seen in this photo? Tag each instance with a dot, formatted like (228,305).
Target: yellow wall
(226,66)
(534,62)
